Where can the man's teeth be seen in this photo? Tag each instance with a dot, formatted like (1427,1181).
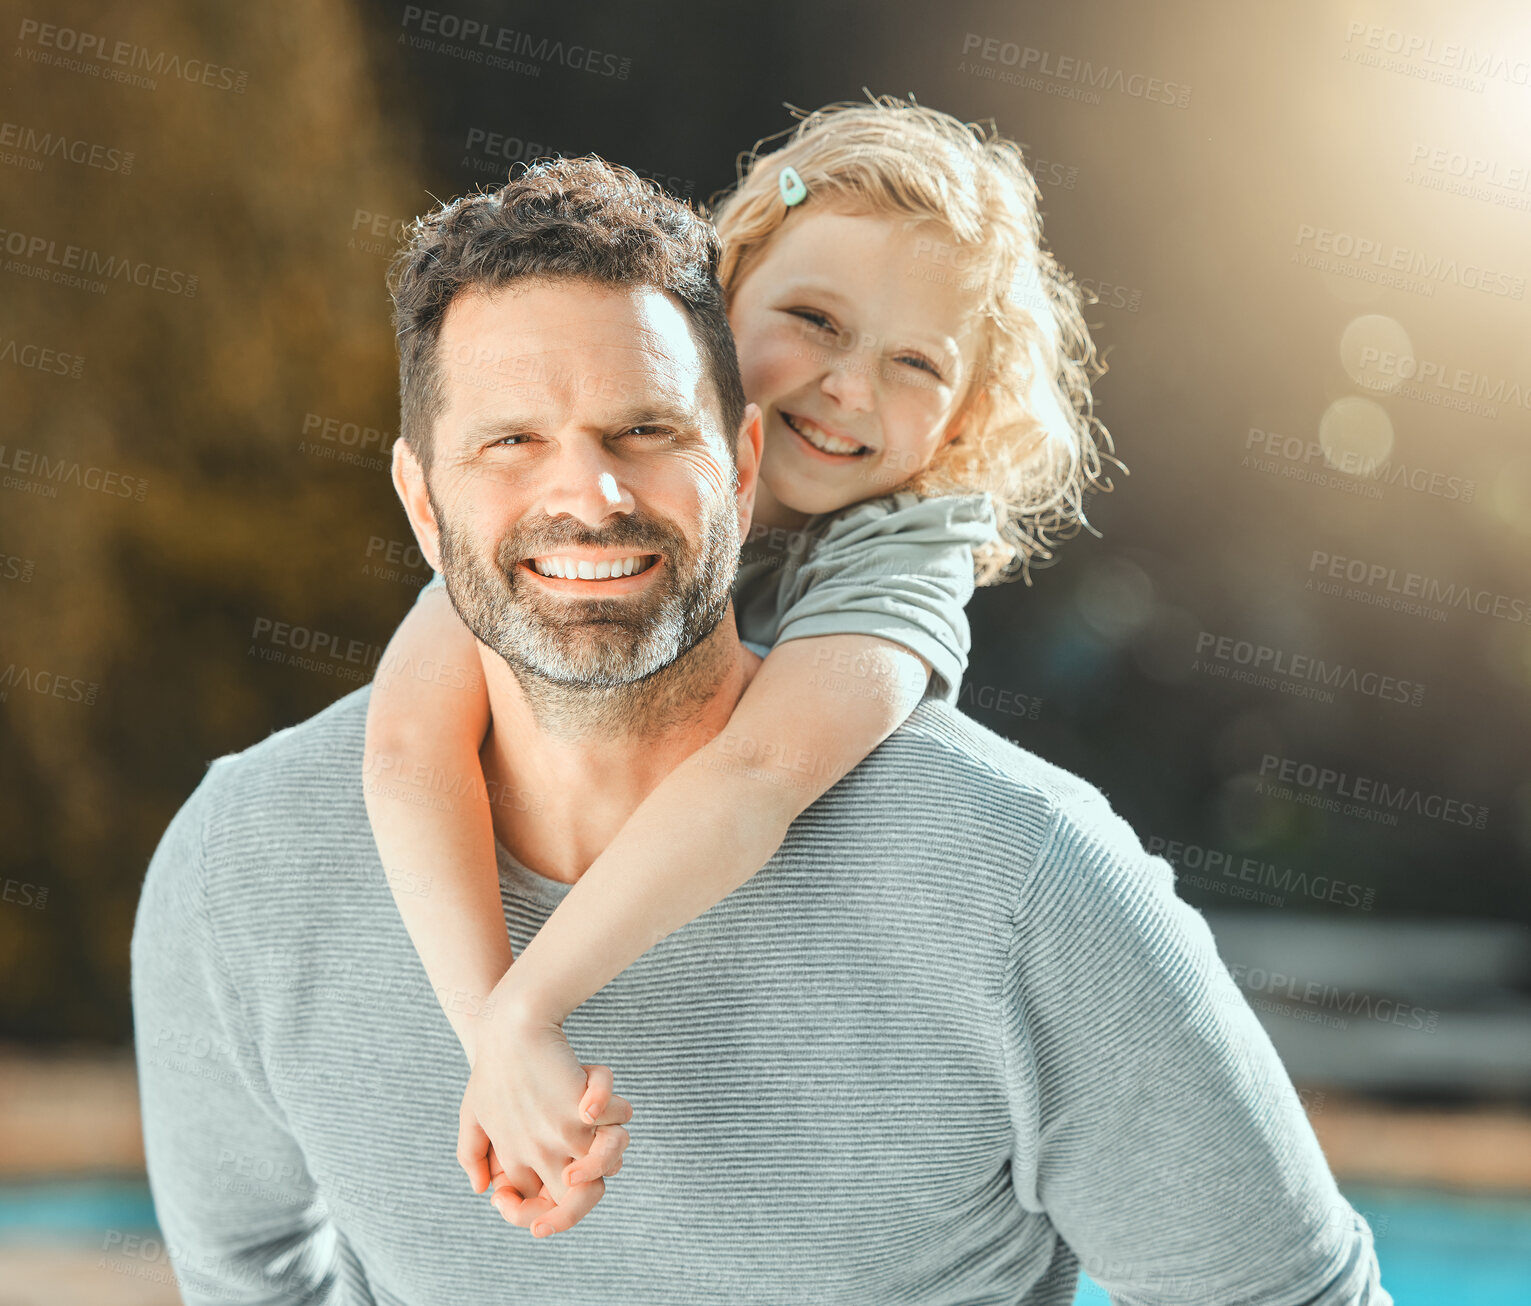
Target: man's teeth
(583,569)
(822,440)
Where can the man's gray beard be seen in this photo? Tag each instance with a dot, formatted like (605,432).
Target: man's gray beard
(615,666)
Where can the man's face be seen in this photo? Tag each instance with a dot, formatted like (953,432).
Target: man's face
(581,488)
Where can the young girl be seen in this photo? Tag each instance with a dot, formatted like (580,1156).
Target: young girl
(920,365)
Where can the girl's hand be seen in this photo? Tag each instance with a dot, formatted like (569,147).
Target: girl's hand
(525,1100)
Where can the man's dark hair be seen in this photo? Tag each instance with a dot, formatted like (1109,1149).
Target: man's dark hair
(583,219)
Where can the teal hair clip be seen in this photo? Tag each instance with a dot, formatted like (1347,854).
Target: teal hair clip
(792,189)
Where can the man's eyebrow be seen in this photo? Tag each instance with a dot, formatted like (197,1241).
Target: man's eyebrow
(499,426)
(679,412)
(661,409)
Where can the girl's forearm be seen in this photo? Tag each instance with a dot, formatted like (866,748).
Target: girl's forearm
(429,812)
(451,907)
(715,820)
(704,830)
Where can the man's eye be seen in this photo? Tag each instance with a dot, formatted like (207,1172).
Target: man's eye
(651,429)
(506,439)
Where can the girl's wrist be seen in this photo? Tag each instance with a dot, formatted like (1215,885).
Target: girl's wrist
(517,1004)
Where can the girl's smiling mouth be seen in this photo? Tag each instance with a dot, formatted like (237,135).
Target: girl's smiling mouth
(821,441)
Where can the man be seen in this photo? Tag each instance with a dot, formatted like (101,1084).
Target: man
(958,1038)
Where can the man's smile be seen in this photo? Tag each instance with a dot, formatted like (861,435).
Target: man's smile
(583,572)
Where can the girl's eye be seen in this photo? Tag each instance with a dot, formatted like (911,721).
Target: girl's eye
(914,360)
(808,315)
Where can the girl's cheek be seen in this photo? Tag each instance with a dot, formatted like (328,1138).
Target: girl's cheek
(769,360)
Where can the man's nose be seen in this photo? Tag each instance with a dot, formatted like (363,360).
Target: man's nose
(585,482)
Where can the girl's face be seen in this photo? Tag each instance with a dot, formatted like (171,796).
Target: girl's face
(856,340)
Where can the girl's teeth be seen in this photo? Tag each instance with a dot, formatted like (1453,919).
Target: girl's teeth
(819,440)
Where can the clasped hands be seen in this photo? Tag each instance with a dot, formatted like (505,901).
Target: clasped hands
(536,1127)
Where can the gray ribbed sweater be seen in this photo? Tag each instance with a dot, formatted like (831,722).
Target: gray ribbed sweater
(958,1037)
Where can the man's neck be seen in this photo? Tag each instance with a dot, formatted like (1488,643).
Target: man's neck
(567,766)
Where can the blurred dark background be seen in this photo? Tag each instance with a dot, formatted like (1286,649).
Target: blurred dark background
(217,458)
(1307,232)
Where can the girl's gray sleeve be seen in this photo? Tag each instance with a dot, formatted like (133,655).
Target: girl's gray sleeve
(899,567)
(1158,1129)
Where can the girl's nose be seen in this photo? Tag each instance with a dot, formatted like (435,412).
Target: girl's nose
(849,383)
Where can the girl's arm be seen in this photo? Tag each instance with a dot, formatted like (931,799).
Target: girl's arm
(430,814)
(815,708)
(429,809)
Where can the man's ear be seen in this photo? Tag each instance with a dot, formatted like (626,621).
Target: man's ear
(748,445)
(409,481)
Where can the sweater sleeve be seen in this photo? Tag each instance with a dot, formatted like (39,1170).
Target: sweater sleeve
(899,567)
(241,1218)
(1158,1129)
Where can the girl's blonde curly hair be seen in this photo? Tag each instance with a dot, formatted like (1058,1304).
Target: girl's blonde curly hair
(1030,444)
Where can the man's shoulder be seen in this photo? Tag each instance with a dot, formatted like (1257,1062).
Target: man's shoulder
(948,778)
(320,750)
(249,836)
(939,750)
(297,780)
(946,806)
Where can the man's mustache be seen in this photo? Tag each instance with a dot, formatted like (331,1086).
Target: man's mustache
(640,538)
